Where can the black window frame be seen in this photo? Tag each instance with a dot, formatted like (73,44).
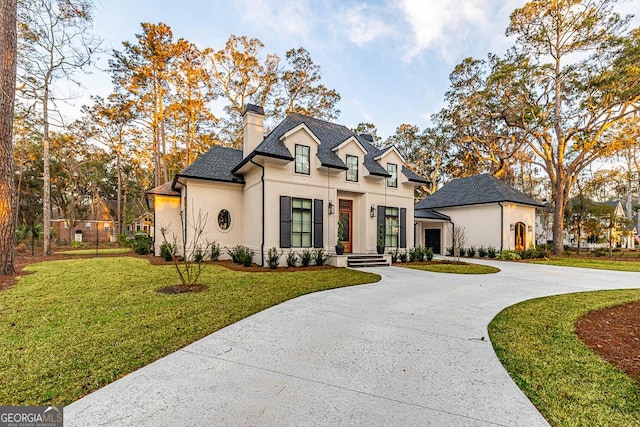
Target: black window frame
(389,234)
(302,159)
(350,169)
(301,234)
(392,181)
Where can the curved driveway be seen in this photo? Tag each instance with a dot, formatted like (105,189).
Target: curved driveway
(409,350)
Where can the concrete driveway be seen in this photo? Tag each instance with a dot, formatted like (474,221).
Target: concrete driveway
(409,350)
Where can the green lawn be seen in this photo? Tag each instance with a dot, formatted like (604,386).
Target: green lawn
(437,266)
(600,264)
(101,251)
(74,326)
(569,383)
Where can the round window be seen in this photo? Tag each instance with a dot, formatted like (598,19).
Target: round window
(224,219)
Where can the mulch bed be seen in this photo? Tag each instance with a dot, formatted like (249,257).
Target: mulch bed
(614,333)
(255,268)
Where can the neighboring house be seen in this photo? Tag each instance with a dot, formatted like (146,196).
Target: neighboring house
(83,231)
(288,190)
(491,212)
(142,224)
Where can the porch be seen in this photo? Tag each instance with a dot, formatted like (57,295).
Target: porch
(360,260)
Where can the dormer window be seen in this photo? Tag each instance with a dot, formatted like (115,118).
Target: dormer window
(352,165)
(392,169)
(302,159)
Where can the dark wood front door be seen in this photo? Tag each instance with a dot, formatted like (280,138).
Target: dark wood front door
(432,240)
(346,217)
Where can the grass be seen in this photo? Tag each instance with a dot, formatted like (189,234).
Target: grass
(101,251)
(600,264)
(73,326)
(569,383)
(438,266)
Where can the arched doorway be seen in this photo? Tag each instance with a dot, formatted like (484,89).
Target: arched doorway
(520,236)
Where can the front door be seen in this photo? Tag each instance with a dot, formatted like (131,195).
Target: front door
(520,236)
(432,240)
(346,214)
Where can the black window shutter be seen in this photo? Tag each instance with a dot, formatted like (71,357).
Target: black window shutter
(285,222)
(317,224)
(403,227)
(381,211)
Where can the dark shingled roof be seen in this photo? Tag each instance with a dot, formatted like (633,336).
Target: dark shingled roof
(164,190)
(475,190)
(216,164)
(430,214)
(330,135)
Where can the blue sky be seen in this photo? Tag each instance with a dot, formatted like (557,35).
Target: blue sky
(389,60)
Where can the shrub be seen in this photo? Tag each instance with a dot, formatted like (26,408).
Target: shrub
(306,258)
(491,252)
(292,259)
(417,254)
(76,245)
(403,256)
(471,252)
(320,256)
(215,251)
(273,257)
(142,244)
(429,254)
(395,255)
(450,251)
(482,252)
(508,254)
(241,255)
(167,250)
(122,240)
(462,252)
(599,252)
(198,254)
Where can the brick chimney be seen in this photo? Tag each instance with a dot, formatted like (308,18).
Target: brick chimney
(253,128)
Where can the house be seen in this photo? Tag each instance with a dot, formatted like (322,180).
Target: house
(142,224)
(491,212)
(83,231)
(288,190)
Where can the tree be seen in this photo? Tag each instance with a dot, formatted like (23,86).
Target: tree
(241,77)
(303,92)
(575,66)
(55,42)
(369,129)
(143,71)
(8,52)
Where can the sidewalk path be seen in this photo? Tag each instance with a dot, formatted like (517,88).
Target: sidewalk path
(410,350)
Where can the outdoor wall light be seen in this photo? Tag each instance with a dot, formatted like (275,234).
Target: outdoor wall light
(331,207)
(512,227)
(530,228)
(372,212)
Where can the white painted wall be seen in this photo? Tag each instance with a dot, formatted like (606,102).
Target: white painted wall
(167,217)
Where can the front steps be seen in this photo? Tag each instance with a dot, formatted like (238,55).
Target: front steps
(356,261)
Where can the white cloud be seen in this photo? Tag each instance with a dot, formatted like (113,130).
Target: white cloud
(290,18)
(363,25)
(451,27)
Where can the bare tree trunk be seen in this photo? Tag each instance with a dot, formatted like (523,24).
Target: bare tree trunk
(558,217)
(119,191)
(8,50)
(46,193)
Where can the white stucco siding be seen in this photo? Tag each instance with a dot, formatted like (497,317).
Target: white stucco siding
(207,199)
(513,214)
(167,218)
(481,222)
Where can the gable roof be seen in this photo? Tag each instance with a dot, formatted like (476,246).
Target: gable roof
(216,164)
(164,190)
(330,135)
(475,190)
(430,214)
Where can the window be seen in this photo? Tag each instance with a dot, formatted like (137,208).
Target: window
(224,219)
(302,159)
(391,227)
(301,223)
(66,224)
(106,227)
(352,165)
(87,226)
(392,181)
